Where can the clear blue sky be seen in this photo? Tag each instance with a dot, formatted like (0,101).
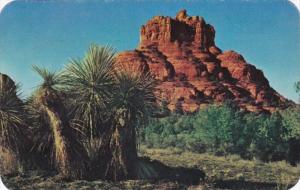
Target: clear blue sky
(266,33)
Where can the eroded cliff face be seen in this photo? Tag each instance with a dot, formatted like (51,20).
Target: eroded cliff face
(193,71)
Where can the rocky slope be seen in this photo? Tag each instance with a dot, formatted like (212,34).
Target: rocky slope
(193,71)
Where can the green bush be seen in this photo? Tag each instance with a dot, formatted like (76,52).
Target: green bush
(223,130)
(217,126)
(269,143)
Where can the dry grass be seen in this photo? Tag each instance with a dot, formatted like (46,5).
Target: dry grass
(9,162)
(38,182)
(229,168)
(222,173)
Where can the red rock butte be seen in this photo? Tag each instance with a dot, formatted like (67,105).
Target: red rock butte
(193,72)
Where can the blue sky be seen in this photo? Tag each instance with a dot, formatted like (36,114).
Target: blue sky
(49,33)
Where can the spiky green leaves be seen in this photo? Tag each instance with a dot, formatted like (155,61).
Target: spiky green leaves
(50,79)
(90,83)
(134,92)
(106,100)
(12,118)
(91,78)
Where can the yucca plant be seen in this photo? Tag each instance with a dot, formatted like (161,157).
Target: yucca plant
(42,138)
(13,139)
(110,102)
(70,157)
(90,83)
(132,103)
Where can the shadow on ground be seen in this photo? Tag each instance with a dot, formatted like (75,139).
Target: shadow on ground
(153,169)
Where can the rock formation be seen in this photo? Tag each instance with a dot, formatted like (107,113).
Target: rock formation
(193,71)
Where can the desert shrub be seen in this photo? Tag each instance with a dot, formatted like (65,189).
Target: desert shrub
(172,131)
(217,126)
(277,136)
(268,142)
(244,136)
(291,124)
(223,130)
(13,130)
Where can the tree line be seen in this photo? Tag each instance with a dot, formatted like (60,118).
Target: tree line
(224,129)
